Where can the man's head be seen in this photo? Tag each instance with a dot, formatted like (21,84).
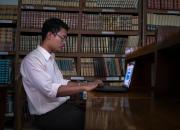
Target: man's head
(54,34)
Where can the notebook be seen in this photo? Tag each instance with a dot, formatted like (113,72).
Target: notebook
(126,83)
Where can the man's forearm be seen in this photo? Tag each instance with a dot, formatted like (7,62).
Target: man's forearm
(73,84)
(73,88)
(69,90)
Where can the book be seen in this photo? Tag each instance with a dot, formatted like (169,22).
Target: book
(156,20)
(109,22)
(35,19)
(5,71)
(8,12)
(164,4)
(67,3)
(102,67)
(7,39)
(125,4)
(67,66)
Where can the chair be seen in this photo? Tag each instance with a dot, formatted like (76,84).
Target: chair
(23,119)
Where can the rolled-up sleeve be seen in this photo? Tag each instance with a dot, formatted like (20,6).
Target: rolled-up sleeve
(64,81)
(35,73)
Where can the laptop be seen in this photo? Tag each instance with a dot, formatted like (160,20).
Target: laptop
(126,83)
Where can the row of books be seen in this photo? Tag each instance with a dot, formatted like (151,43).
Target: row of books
(65,3)
(88,3)
(67,66)
(35,19)
(164,4)
(102,67)
(132,44)
(7,39)
(71,44)
(8,12)
(28,43)
(150,40)
(92,66)
(155,20)
(112,3)
(6,47)
(109,22)
(103,45)
(89,44)
(5,71)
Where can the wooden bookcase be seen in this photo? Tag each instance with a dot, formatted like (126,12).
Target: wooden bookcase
(79,32)
(8,20)
(157,66)
(153,63)
(81,28)
(158,13)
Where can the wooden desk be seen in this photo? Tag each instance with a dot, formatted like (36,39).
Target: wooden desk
(130,111)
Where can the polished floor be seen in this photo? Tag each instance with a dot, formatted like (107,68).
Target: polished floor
(131,111)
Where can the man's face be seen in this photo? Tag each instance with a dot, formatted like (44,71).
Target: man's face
(58,40)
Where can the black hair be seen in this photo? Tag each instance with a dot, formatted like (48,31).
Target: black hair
(53,25)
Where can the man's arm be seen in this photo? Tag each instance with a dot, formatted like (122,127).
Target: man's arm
(73,88)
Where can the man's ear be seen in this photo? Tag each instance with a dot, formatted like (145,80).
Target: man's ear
(49,35)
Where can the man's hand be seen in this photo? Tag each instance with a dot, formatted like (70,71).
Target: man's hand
(99,82)
(92,85)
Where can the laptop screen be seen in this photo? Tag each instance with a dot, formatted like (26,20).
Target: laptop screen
(129,72)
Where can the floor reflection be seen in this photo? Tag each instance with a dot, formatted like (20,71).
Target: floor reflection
(109,114)
(131,113)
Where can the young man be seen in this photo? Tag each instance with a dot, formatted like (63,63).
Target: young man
(47,91)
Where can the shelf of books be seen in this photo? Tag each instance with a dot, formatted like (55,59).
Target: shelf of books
(8,18)
(159,13)
(8,21)
(59,3)
(100,35)
(100,32)
(108,28)
(49,7)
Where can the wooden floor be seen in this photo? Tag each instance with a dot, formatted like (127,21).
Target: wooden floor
(131,111)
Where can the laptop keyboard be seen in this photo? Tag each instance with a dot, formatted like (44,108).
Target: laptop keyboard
(112,89)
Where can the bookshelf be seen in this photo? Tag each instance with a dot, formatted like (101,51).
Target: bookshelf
(8,18)
(8,21)
(99,34)
(92,26)
(158,13)
(156,64)
(157,16)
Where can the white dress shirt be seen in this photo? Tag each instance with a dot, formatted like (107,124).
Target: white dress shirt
(41,79)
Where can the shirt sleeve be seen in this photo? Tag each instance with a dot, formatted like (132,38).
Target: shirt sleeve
(64,81)
(35,73)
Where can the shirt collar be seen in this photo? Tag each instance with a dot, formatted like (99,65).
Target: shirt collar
(45,53)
